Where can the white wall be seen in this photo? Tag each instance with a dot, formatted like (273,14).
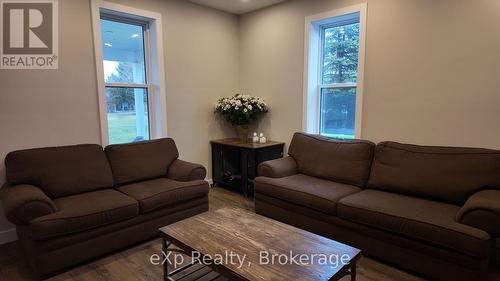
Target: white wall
(58,107)
(432,72)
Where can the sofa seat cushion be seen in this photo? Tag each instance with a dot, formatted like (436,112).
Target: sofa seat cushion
(428,221)
(163,192)
(315,193)
(85,211)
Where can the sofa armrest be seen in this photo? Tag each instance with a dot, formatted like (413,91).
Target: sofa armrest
(278,168)
(23,203)
(185,171)
(482,210)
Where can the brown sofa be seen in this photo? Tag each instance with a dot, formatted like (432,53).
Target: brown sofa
(432,210)
(74,203)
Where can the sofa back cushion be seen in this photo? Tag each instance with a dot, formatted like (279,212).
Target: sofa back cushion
(143,160)
(344,161)
(448,174)
(60,171)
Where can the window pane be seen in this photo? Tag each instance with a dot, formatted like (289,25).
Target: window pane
(127,115)
(338,111)
(123,51)
(340,54)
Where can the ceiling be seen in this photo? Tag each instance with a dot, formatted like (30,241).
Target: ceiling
(237,6)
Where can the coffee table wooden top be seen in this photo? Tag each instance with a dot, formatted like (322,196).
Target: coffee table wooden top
(235,230)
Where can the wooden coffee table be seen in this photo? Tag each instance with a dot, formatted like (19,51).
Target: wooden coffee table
(240,245)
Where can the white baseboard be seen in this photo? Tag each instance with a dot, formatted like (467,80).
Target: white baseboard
(8,235)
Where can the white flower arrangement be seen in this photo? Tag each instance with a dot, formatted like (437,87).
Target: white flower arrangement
(241,109)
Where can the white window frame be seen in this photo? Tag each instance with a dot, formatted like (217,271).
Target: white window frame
(155,72)
(314,26)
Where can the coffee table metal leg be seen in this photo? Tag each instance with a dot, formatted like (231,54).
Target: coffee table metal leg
(353,272)
(167,274)
(164,247)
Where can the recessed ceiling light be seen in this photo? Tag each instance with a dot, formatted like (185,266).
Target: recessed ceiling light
(108,44)
(135,35)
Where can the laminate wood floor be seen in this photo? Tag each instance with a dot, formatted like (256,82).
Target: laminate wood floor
(134,263)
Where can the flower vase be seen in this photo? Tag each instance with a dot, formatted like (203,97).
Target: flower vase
(242,133)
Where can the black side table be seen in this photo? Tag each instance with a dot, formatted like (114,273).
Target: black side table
(234,163)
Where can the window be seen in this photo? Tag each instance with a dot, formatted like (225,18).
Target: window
(334,72)
(339,75)
(126,79)
(129,61)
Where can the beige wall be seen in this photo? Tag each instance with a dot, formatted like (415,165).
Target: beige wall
(432,73)
(52,107)
(45,107)
(201,64)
